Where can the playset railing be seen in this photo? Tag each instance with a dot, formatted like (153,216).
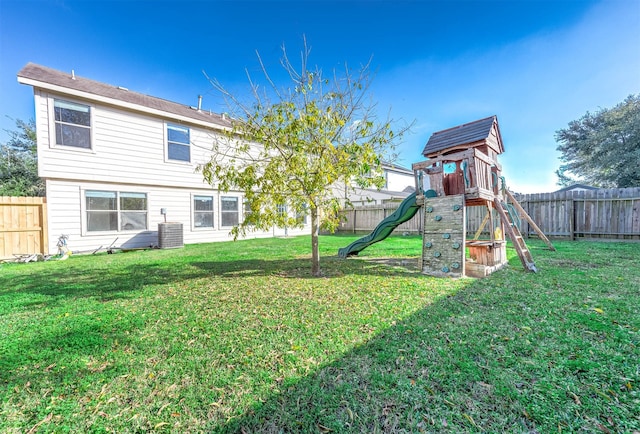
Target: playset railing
(470,172)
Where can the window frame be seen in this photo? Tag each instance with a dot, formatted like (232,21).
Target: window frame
(118,210)
(167,143)
(53,124)
(133,211)
(246,210)
(301,216)
(195,211)
(223,212)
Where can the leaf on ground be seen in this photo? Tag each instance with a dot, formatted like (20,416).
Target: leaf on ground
(470,419)
(324,428)
(34,428)
(575,398)
(603,428)
(597,309)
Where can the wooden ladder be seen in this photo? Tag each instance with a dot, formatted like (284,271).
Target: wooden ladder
(529,220)
(516,237)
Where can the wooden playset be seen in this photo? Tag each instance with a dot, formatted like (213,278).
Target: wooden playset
(462,171)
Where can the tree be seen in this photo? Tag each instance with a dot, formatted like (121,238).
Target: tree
(19,163)
(603,148)
(293,148)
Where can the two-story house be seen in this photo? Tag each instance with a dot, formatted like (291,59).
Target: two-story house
(399,182)
(117,163)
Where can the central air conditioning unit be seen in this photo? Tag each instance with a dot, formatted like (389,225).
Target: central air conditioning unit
(170,235)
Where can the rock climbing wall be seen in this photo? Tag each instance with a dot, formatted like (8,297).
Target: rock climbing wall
(443,248)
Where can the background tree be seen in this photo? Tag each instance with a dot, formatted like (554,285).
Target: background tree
(19,162)
(603,148)
(295,148)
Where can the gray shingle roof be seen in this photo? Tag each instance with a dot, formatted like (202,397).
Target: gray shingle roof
(461,135)
(397,167)
(576,186)
(50,76)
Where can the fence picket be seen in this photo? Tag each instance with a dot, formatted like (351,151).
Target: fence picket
(23,226)
(603,213)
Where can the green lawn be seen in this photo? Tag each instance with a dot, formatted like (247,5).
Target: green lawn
(236,337)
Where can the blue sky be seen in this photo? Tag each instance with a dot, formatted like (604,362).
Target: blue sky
(536,64)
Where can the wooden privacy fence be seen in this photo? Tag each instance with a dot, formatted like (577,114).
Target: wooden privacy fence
(603,213)
(612,213)
(23,226)
(366,218)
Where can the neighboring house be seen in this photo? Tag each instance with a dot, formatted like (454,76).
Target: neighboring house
(113,160)
(576,187)
(399,183)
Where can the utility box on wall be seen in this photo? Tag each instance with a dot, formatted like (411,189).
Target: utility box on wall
(170,235)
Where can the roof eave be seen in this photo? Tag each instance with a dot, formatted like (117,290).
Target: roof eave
(118,103)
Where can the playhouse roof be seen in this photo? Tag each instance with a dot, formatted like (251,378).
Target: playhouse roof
(476,132)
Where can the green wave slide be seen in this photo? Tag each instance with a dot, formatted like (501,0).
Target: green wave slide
(407,209)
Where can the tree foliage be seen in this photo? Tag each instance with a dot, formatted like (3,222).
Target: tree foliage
(19,163)
(603,148)
(299,146)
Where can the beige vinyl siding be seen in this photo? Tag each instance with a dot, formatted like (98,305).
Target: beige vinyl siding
(67,215)
(128,154)
(127,146)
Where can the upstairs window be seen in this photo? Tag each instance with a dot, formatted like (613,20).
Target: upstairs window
(178,143)
(73,124)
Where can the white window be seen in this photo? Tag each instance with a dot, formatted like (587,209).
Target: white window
(133,211)
(115,211)
(301,217)
(282,210)
(73,124)
(203,211)
(247,209)
(178,143)
(229,211)
(102,211)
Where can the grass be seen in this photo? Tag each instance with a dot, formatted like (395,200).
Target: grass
(236,337)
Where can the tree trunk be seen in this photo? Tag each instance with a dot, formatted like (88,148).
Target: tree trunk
(315,251)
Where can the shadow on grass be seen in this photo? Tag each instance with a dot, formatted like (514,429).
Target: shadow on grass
(299,268)
(124,281)
(492,357)
(106,278)
(416,376)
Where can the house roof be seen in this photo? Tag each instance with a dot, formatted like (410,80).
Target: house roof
(576,187)
(63,82)
(397,167)
(464,134)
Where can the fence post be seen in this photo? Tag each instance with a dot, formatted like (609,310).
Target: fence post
(354,220)
(572,219)
(44,232)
